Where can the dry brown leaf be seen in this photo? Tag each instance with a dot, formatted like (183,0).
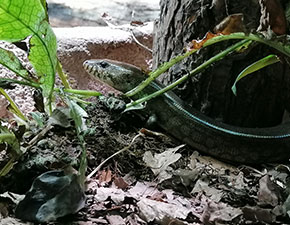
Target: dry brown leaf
(143,189)
(221,212)
(120,182)
(231,24)
(153,210)
(160,163)
(103,193)
(105,176)
(268,193)
(115,220)
(257,214)
(197,44)
(211,192)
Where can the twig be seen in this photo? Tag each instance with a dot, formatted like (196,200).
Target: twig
(116,153)
(139,43)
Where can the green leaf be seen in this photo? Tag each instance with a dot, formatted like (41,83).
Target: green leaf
(78,114)
(268,60)
(44,4)
(10,61)
(9,138)
(20,19)
(37,116)
(13,106)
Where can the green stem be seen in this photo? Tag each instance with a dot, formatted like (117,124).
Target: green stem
(88,93)
(285,49)
(280,46)
(161,69)
(73,91)
(13,105)
(6,136)
(62,75)
(25,83)
(185,77)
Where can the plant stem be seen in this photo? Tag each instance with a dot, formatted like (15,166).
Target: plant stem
(13,105)
(285,49)
(62,75)
(161,69)
(185,77)
(88,93)
(35,85)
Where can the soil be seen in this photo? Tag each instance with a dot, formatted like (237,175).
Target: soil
(211,190)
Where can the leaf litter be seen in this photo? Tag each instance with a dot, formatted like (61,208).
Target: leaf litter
(155,181)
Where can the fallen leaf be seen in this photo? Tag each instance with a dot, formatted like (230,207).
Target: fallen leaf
(115,194)
(211,192)
(134,219)
(231,24)
(198,161)
(257,214)
(172,221)
(115,220)
(221,212)
(160,163)
(143,189)
(105,176)
(53,194)
(197,44)
(120,183)
(13,221)
(187,177)
(154,210)
(268,193)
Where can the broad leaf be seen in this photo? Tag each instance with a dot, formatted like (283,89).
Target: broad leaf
(9,60)
(20,19)
(268,60)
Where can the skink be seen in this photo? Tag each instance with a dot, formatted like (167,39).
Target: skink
(220,140)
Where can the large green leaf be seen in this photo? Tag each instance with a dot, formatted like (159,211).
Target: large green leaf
(20,19)
(266,61)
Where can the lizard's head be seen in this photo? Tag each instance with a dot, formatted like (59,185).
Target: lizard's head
(121,76)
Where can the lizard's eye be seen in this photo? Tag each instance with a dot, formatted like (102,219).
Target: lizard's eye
(104,64)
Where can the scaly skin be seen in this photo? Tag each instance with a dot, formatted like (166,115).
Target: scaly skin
(225,142)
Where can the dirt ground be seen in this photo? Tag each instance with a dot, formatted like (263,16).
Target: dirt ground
(154,181)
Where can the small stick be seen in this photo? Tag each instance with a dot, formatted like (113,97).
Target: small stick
(116,153)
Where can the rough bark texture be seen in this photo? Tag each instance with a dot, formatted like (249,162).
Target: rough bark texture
(261,98)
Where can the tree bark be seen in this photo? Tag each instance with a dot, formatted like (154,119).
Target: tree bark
(261,97)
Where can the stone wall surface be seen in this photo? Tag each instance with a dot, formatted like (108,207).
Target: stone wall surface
(77,44)
(89,12)
(111,38)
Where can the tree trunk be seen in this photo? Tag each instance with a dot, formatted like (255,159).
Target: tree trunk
(261,97)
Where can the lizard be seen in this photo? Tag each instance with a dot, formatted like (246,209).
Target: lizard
(222,141)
